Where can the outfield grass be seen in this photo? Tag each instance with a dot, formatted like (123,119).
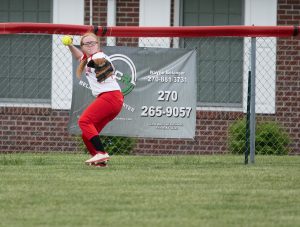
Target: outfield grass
(59,190)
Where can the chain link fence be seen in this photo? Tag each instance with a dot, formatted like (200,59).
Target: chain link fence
(36,92)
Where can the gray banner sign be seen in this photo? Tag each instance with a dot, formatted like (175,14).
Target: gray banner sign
(159,86)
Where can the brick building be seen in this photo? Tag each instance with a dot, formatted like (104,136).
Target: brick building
(44,128)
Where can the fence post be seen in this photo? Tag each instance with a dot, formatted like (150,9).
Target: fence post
(247,151)
(252,100)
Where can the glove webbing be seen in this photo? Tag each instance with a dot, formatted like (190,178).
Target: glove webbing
(103,71)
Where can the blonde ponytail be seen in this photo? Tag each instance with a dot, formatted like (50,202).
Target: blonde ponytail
(81,67)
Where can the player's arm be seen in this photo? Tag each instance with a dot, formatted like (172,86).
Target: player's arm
(75,52)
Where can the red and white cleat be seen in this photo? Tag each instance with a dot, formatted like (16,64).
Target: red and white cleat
(99,164)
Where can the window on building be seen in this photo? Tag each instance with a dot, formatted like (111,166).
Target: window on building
(220,60)
(25,64)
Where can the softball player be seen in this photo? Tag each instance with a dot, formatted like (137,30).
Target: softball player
(109,98)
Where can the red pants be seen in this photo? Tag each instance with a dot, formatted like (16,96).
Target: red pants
(101,111)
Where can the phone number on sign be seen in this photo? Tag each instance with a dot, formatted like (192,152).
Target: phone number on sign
(167,79)
(159,111)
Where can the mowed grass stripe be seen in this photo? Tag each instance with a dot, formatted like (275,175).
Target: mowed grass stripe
(60,190)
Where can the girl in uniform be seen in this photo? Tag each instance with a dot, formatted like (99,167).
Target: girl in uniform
(107,104)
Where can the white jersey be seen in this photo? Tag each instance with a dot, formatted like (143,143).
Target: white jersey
(110,84)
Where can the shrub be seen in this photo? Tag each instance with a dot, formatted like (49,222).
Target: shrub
(113,144)
(118,145)
(269,139)
(237,137)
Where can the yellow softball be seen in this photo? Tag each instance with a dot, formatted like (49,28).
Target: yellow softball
(67,40)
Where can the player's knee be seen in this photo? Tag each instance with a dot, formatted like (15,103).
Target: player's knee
(82,122)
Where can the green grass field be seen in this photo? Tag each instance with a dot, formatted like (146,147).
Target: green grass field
(60,190)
